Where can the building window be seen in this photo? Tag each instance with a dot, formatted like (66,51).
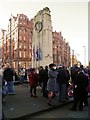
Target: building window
(20,31)
(20,54)
(15,46)
(55,57)
(24,38)
(24,55)
(25,30)
(24,46)
(20,37)
(21,17)
(20,45)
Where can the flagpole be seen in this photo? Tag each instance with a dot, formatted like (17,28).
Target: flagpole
(36,56)
(32,51)
(39,51)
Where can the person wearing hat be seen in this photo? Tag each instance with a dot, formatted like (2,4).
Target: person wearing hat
(45,80)
(51,84)
(80,84)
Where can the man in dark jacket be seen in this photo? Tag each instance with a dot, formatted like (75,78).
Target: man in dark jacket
(41,75)
(8,77)
(45,79)
(74,70)
(62,82)
(80,84)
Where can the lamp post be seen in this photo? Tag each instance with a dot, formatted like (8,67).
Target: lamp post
(84,55)
(72,57)
(10,46)
(18,51)
(2,39)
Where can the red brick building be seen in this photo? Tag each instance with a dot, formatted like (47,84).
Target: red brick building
(18,41)
(61,50)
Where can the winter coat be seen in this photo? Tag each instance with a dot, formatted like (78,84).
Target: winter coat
(80,84)
(41,76)
(52,84)
(62,76)
(33,79)
(8,74)
(45,76)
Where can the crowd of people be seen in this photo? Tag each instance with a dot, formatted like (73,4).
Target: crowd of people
(54,81)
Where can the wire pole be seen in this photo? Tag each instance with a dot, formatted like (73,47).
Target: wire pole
(18,51)
(10,46)
(72,57)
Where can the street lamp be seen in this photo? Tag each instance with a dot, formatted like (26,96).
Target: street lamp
(18,51)
(84,55)
(2,39)
(10,46)
(72,57)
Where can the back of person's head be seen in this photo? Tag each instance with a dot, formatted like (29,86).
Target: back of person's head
(41,68)
(81,66)
(46,67)
(33,69)
(60,66)
(51,65)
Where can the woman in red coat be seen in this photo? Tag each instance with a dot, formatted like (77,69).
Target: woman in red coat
(33,81)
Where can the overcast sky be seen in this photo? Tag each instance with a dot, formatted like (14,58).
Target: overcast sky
(68,16)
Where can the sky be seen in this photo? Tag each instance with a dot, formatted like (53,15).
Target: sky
(68,16)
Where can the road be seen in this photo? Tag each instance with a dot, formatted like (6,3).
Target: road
(22,106)
(64,112)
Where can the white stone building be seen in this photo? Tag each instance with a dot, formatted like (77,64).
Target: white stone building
(42,53)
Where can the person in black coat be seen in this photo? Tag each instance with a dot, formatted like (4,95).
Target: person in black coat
(74,70)
(62,83)
(67,82)
(8,77)
(40,75)
(80,84)
(45,79)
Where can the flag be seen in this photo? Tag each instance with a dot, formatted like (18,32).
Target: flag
(39,54)
(33,52)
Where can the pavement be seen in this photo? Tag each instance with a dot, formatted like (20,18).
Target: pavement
(21,105)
